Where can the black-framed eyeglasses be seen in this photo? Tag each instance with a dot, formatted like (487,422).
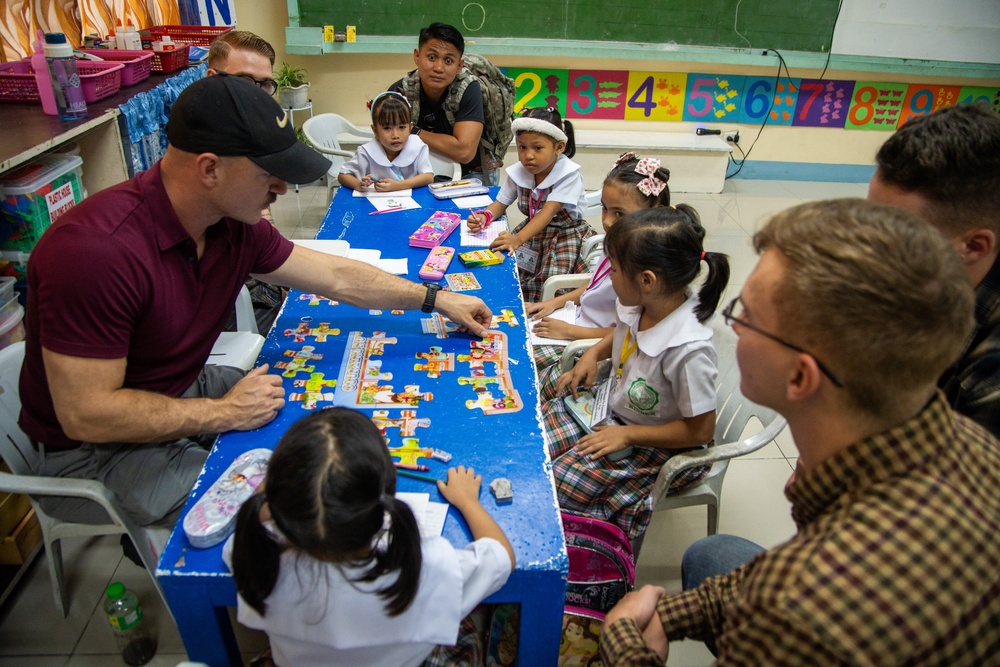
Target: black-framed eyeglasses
(269,86)
(734,310)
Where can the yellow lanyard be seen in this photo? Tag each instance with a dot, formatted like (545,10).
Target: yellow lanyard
(627,351)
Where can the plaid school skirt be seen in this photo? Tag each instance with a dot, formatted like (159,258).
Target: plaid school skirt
(558,247)
(615,491)
(547,369)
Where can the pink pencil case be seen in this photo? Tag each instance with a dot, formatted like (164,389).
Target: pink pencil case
(435,229)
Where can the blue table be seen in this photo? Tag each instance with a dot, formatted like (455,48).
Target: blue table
(198,586)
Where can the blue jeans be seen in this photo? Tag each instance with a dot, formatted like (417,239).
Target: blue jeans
(714,555)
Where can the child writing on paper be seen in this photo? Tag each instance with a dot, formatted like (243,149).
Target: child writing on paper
(664,369)
(333,567)
(548,188)
(395,159)
(632,184)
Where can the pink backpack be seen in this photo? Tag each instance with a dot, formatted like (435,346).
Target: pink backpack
(601,565)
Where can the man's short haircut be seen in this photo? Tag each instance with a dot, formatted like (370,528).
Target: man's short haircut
(952,159)
(243,40)
(875,292)
(444,32)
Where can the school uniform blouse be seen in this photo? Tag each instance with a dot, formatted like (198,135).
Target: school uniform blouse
(564,184)
(317,617)
(671,374)
(370,158)
(597,309)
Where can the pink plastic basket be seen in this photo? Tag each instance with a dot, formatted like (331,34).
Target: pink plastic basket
(138,64)
(199,35)
(99,80)
(166,62)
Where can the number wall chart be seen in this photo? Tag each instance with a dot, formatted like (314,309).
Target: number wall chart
(717,98)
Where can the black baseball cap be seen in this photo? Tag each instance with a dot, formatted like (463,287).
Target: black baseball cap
(228,116)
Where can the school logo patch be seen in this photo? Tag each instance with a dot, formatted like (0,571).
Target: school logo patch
(642,398)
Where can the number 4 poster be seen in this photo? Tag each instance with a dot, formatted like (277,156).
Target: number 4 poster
(655,96)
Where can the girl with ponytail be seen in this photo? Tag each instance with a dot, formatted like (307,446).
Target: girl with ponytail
(664,369)
(333,567)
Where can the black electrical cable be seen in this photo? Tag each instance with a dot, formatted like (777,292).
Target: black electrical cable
(829,51)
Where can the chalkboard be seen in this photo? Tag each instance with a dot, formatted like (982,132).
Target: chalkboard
(796,25)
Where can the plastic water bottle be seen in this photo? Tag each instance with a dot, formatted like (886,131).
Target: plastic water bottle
(125,616)
(42,79)
(66,85)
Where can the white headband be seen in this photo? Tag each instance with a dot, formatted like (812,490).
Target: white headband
(537,125)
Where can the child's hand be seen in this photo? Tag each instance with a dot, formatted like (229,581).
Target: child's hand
(386,185)
(581,375)
(475,221)
(506,242)
(553,328)
(539,310)
(368,181)
(603,441)
(462,487)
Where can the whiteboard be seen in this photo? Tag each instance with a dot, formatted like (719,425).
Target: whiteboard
(965,31)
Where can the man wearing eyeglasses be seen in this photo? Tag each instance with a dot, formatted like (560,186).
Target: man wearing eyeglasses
(851,314)
(242,53)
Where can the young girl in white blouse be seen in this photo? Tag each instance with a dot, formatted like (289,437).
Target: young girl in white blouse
(663,370)
(633,184)
(333,568)
(548,188)
(395,159)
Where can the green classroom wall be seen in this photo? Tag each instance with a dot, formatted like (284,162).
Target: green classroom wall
(342,83)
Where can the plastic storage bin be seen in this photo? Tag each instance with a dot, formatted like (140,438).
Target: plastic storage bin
(12,328)
(34,196)
(200,35)
(137,64)
(99,80)
(166,62)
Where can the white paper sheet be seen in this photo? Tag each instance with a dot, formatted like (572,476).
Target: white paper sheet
(397,267)
(475,201)
(389,204)
(483,238)
(430,516)
(565,314)
(335,247)
(365,255)
(408,192)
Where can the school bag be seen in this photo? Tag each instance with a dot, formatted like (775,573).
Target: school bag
(601,572)
(498,103)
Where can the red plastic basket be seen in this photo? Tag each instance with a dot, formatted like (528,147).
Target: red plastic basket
(199,35)
(166,62)
(137,64)
(99,80)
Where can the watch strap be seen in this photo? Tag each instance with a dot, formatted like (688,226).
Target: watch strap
(430,297)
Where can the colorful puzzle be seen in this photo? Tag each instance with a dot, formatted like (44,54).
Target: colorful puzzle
(360,384)
(314,299)
(319,333)
(316,382)
(407,422)
(411,451)
(299,361)
(495,394)
(435,362)
(309,399)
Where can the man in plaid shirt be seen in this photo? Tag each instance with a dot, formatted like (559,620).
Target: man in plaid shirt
(845,325)
(945,167)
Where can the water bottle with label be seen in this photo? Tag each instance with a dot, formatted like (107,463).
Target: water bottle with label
(66,85)
(125,616)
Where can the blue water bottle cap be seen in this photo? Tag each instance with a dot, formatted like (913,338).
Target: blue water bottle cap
(55,38)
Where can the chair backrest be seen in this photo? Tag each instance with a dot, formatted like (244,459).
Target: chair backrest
(444,166)
(733,409)
(15,447)
(325,130)
(245,318)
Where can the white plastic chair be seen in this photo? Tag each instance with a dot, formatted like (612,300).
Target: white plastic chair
(21,457)
(445,166)
(733,413)
(239,348)
(325,132)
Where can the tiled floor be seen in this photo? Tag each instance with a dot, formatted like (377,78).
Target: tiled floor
(32,634)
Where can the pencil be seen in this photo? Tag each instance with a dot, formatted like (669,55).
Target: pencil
(388,210)
(422,478)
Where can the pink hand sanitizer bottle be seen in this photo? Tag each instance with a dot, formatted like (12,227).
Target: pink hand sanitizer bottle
(40,67)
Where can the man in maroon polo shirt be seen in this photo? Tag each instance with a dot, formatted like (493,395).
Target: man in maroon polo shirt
(129,291)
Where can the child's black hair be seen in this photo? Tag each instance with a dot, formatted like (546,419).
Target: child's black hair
(443,32)
(551,115)
(330,484)
(668,242)
(390,108)
(624,172)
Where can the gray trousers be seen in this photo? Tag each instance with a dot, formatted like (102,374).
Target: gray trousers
(151,480)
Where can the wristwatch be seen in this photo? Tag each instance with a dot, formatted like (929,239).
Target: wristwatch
(416,129)
(432,290)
